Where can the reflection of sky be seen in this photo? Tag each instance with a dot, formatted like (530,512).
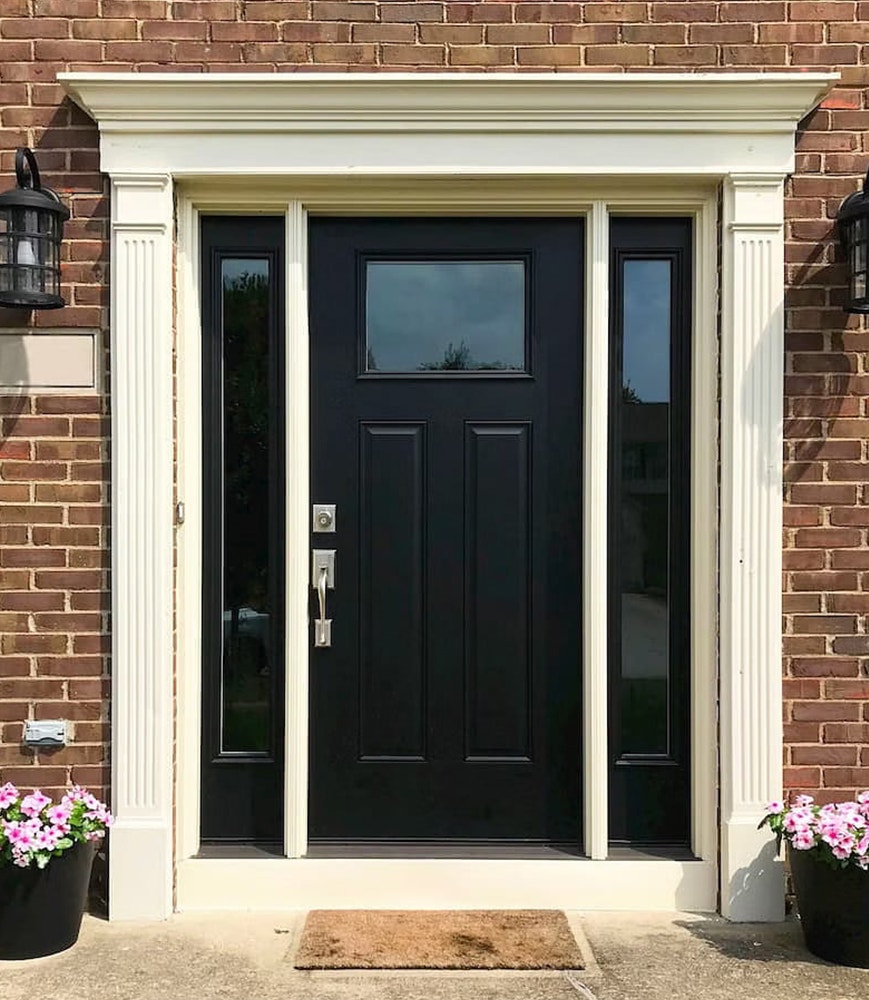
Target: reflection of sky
(415,309)
(235,267)
(647,329)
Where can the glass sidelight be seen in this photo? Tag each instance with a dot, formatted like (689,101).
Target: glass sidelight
(649,635)
(242,529)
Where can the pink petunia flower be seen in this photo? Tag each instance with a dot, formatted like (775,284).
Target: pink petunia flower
(8,795)
(32,805)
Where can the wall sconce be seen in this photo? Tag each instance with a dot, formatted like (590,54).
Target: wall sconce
(852,222)
(31,228)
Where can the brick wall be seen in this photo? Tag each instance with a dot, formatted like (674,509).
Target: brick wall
(51,654)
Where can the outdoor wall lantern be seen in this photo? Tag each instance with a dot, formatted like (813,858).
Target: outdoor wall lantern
(852,222)
(31,227)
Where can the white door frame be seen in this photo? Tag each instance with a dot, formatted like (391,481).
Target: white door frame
(451,143)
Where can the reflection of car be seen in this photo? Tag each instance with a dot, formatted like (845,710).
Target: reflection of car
(251,640)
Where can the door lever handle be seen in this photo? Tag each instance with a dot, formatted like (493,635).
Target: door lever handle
(323,579)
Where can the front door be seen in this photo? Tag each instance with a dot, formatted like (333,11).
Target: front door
(446,419)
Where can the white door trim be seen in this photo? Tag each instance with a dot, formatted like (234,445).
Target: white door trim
(537,143)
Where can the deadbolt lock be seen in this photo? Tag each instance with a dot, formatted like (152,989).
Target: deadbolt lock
(324,517)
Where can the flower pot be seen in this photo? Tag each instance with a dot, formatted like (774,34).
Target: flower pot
(834,909)
(41,909)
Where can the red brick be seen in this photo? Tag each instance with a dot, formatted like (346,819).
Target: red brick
(69,579)
(21,643)
(802,777)
(36,27)
(35,427)
(175,30)
(26,514)
(29,601)
(824,666)
(415,13)
(809,538)
(685,12)
(29,471)
(826,581)
(846,777)
(480,55)
(847,689)
(618,55)
(453,34)
(846,732)
(413,55)
(92,666)
(325,10)
(824,755)
(811,10)
(826,711)
(626,13)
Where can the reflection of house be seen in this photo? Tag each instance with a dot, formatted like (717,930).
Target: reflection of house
(645,452)
(645,434)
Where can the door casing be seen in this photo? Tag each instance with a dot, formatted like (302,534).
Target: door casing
(596,203)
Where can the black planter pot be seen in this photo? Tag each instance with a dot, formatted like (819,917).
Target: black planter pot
(41,909)
(834,909)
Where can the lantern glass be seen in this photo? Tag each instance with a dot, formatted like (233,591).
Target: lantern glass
(31,228)
(858,246)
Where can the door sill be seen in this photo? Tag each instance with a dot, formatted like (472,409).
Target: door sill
(506,850)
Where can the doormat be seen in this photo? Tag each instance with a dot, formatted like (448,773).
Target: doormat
(437,939)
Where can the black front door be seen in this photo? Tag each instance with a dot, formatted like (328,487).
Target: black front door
(446,418)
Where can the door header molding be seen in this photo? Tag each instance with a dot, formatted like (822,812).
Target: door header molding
(683,123)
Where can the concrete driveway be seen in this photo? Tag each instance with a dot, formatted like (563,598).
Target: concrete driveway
(248,956)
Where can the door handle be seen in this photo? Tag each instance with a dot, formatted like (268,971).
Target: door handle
(323,578)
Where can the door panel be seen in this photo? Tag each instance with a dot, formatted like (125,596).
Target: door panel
(446,416)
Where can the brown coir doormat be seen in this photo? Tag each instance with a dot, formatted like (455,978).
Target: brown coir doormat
(437,939)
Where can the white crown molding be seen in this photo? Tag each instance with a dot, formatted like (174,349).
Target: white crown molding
(447,102)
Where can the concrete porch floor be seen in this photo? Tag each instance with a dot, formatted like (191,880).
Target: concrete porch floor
(247,956)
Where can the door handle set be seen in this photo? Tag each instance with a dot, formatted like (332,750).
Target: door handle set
(322,580)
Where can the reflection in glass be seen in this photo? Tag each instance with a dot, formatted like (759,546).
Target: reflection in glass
(445,316)
(644,501)
(246,680)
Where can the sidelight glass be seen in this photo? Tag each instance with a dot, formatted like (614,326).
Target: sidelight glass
(246,680)
(445,316)
(644,505)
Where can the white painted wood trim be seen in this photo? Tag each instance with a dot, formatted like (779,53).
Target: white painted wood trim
(595,539)
(298,523)
(188,536)
(140,847)
(445,102)
(704,534)
(752,374)
(437,884)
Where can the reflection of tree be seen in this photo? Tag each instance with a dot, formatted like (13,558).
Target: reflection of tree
(458,358)
(246,440)
(629,394)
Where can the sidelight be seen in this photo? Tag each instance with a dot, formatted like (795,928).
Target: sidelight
(649,636)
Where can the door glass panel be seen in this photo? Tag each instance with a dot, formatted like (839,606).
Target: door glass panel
(445,316)
(246,678)
(644,503)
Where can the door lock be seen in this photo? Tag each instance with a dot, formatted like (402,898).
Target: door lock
(324,517)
